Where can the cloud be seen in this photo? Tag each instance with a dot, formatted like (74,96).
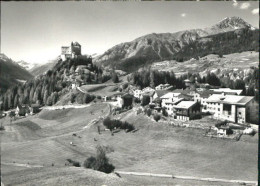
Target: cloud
(245,5)
(183,15)
(255,11)
(235,3)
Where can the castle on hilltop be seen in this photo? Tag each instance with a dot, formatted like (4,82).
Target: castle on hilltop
(70,52)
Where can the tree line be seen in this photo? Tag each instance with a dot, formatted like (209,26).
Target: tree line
(152,78)
(47,88)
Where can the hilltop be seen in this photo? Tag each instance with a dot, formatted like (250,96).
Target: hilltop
(129,56)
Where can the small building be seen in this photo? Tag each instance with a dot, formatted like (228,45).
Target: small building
(224,131)
(186,110)
(187,82)
(137,93)
(34,108)
(22,110)
(163,87)
(104,98)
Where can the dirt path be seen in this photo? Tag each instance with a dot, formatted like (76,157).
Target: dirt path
(186,177)
(21,165)
(65,107)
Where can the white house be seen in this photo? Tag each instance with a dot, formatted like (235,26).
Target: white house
(169,100)
(238,109)
(201,97)
(138,93)
(163,87)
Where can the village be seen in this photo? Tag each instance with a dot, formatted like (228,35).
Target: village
(227,106)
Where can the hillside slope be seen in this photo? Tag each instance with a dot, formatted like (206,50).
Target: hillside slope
(41,69)
(11,73)
(130,56)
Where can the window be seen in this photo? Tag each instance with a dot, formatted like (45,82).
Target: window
(239,113)
(218,109)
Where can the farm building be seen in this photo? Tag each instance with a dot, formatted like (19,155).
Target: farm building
(22,110)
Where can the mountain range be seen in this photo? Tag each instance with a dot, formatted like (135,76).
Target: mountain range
(11,73)
(130,56)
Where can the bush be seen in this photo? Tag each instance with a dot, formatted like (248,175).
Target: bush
(90,163)
(196,117)
(164,112)
(145,100)
(149,112)
(157,117)
(100,162)
(136,100)
(74,163)
(111,124)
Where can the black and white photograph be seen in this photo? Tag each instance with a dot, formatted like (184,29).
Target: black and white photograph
(129,93)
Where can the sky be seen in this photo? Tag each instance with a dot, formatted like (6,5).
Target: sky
(35,31)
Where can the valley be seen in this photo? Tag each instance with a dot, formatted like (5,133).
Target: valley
(163,109)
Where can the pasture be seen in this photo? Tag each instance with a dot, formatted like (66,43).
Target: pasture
(156,148)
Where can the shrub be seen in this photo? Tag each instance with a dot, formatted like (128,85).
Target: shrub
(2,128)
(139,111)
(136,100)
(111,124)
(145,100)
(164,112)
(196,117)
(100,162)
(74,163)
(157,117)
(72,98)
(90,162)
(149,112)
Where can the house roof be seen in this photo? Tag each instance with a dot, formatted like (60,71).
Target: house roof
(185,104)
(230,99)
(205,93)
(170,95)
(160,93)
(148,93)
(126,95)
(148,89)
(227,91)
(22,106)
(187,81)
(215,98)
(245,99)
(237,100)
(174,100)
